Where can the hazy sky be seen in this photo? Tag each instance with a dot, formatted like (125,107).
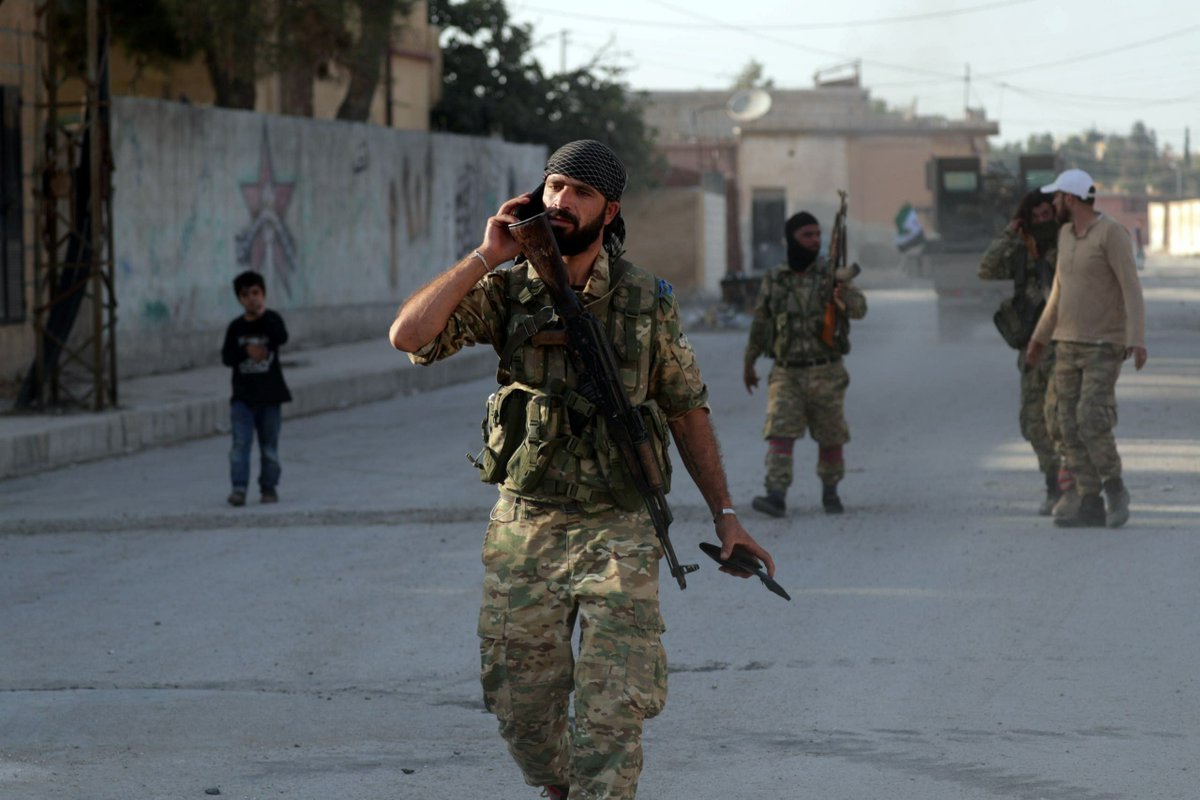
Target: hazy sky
(1036,65)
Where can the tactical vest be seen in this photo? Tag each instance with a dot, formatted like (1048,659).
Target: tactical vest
(793,316)
(543,438)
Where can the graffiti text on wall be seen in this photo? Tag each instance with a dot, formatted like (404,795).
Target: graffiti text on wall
(266,242)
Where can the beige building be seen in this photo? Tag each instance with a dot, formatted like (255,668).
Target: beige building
(800,152)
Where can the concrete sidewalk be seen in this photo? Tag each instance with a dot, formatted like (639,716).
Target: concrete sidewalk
(167,409)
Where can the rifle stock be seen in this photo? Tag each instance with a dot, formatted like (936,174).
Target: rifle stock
(601,380)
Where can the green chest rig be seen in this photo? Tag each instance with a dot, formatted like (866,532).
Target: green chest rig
(797,312)
(543,438)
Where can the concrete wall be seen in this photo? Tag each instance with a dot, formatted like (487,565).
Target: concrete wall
(679,235)
(810,170)
(344,221)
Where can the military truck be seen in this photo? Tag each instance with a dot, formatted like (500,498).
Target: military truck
(971,207)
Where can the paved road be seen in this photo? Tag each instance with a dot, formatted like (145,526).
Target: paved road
(943,641)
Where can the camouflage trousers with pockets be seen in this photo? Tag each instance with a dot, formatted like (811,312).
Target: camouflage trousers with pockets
(803,399)
(548,570)
(1085,381)
(1037,411)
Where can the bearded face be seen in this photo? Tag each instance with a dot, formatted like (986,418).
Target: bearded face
(579,236)
(1062,211)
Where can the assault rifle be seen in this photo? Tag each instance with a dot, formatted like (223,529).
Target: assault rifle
(601,380)
(834,317)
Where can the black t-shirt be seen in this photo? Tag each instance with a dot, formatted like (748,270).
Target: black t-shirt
(256,383)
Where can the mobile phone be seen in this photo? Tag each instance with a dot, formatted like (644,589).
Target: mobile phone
(535,205)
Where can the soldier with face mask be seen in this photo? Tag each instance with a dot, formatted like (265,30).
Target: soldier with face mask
(806,389)
(1024,254)
(570,545)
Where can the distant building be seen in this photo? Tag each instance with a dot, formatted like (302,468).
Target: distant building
(809,144)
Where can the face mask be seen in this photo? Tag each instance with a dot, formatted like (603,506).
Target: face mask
(799,258)
(1045,234)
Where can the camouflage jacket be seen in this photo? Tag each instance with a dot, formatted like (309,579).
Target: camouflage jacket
(1013,256)
(542,440)
(790,313)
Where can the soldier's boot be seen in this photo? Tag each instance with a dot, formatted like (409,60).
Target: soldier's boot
(772,503)
(1118,503)
(830,499)
(1089,515)
(555,792)
(1053,493)
(1068,502)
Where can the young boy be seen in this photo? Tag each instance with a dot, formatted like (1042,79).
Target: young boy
(252,344)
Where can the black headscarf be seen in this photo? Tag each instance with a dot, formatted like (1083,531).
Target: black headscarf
(597,165)
(799,257)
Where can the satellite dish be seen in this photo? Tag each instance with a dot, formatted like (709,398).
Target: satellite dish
(746,105)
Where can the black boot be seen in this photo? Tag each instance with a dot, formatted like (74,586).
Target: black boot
(1052,494)
(1090,514)
(830,499)
(772,503)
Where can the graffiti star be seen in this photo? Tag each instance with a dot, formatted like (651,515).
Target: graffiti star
(267,240)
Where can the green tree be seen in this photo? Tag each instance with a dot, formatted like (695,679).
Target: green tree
(493,86)
(751,77)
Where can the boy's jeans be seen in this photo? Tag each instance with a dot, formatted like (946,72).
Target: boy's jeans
(245,420)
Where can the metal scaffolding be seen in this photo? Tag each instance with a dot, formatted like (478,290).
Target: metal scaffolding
(74,292)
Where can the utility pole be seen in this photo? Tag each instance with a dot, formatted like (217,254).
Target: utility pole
(967,91)
(562,50)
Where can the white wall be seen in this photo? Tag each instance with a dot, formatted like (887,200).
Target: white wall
(361,217)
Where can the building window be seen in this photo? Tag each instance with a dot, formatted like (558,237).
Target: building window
(12,262)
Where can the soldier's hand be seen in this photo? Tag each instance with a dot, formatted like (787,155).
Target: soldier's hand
(732,534)
(1033,353)
(750,378)
(837,297)
(1139,356)
(498,243)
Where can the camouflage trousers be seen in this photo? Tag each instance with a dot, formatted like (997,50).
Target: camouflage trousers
(548,570)
(1085,380)
(800,399)
(1037,411)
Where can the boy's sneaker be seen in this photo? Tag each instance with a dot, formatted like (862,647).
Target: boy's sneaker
(1118,503)
(236,498)
(269,496)
(555,793)
(772,503)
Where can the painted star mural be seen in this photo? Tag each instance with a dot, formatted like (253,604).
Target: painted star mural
(266,243)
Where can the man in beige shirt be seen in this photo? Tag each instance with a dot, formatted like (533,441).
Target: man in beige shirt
(1096,317)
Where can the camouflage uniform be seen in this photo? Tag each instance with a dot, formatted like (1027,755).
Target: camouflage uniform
(569,540)
(1086,381)
(1013,256)
(807,386)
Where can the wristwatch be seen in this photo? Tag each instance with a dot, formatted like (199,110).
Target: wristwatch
(724,512)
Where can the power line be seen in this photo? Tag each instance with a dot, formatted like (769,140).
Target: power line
(717,25)
(1097,54)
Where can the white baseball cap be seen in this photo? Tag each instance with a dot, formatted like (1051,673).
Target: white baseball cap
(1073,181)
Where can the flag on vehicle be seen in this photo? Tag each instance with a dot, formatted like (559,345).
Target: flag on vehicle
(909,233)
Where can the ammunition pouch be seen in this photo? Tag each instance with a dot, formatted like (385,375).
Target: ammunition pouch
(1016,319)
(506,409)
(612,467)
